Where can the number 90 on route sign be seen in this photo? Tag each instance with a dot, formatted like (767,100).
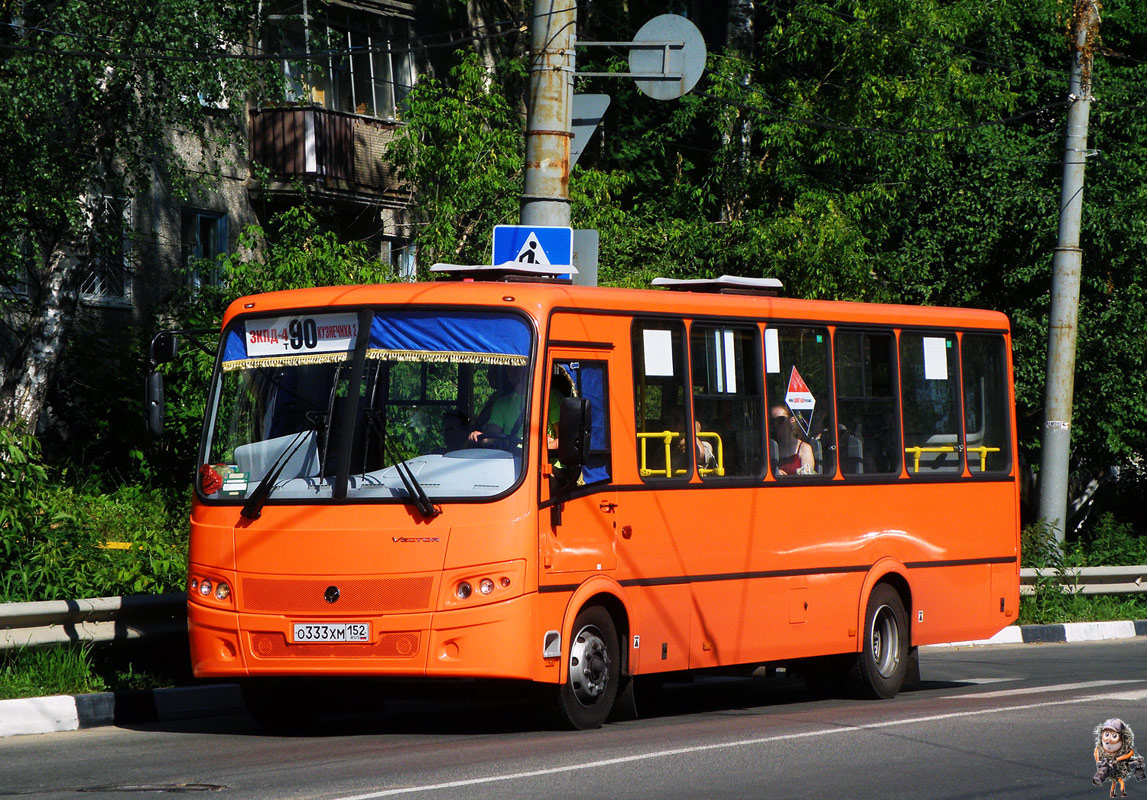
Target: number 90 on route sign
(313,333)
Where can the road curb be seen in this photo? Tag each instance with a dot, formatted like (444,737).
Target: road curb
(73,712)
(1061,632)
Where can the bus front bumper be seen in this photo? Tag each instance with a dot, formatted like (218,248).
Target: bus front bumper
(492,641)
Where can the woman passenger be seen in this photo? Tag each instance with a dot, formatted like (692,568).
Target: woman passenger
(793,454)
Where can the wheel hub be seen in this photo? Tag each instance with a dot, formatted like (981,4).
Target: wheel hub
(589,666)
(885,638)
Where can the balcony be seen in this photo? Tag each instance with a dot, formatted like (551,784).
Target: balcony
(338,155)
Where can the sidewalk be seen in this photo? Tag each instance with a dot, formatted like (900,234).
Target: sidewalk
(69,713)
(1063,632)
(73,712)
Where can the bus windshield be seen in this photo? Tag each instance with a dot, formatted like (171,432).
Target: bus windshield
(442,391)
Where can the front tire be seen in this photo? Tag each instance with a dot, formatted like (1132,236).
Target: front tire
(883,660)
(593,671)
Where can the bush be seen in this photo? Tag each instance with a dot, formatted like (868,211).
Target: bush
(54,539)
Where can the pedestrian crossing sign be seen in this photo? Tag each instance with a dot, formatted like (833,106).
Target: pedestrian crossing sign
(533,245)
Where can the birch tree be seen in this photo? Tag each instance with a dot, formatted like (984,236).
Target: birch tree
(89,93)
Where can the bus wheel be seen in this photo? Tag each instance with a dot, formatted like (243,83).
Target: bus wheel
(883,661)
(586,697)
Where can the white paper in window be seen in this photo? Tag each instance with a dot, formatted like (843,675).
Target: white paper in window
(730,363)
(772,351)
(935,358)
(658,353)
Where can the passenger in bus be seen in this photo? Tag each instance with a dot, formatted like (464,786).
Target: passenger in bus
(792,455)
(503,415)
(704,449)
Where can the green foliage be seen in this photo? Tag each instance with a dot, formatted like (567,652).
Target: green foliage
(905,152)
(1110,542)
(462,147)
(54,538)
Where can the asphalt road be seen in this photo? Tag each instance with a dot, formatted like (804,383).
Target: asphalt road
(1002,721)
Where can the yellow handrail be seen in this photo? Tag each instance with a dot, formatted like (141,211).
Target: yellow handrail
(916,451)
(983,451)
(668,437)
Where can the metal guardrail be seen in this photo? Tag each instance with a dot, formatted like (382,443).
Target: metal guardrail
(1090,580)
(96,620)
(117,619)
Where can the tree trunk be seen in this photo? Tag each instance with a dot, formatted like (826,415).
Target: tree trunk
(33,366)
(740,35)
(479,16)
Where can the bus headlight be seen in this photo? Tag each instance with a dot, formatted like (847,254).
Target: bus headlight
(486,586)
(205,587)
(464,589)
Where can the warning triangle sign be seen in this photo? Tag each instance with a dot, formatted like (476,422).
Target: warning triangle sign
(799,398)
(532,252)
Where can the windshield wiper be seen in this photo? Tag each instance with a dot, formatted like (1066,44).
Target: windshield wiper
(413,488)
(253,508)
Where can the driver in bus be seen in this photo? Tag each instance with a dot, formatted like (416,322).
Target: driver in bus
(503,414)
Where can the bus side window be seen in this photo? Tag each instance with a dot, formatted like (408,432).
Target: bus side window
(588,379)
(868,424)
(727,400)
(930,394)
(799,390)
(660,383)
(987,422)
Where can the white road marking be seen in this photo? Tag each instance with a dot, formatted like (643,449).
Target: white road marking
(1137,695)
(1061,687)
(987,680)
(683,751)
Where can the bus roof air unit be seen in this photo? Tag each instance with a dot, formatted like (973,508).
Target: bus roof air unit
(726,284)
(509,272)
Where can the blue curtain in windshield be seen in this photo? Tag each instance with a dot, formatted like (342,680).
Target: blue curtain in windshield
(455,336)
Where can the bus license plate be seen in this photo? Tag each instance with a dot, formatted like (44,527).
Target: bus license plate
(332,632)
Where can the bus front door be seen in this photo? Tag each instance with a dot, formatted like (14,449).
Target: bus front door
(579,532)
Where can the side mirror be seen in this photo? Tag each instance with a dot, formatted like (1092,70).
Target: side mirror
(153,411)
(164,346)
(573,432)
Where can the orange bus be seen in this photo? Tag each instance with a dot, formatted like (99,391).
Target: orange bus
(577,486)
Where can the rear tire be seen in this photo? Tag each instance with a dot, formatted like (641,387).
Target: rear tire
(883,660)
(586,697)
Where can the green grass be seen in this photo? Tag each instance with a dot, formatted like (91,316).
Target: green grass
(84,668)
(1052,607)
(40,673)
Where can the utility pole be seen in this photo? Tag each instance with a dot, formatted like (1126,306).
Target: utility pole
(546,198)
(1063,318)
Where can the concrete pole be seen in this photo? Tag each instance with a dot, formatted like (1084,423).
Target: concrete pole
(546,198)
(1063,318)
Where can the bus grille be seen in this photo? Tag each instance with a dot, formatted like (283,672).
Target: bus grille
(356,595)
(389,645)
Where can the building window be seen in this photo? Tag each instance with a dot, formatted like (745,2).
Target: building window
(107,279)
(340,59)
(401,255)
(204,240)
